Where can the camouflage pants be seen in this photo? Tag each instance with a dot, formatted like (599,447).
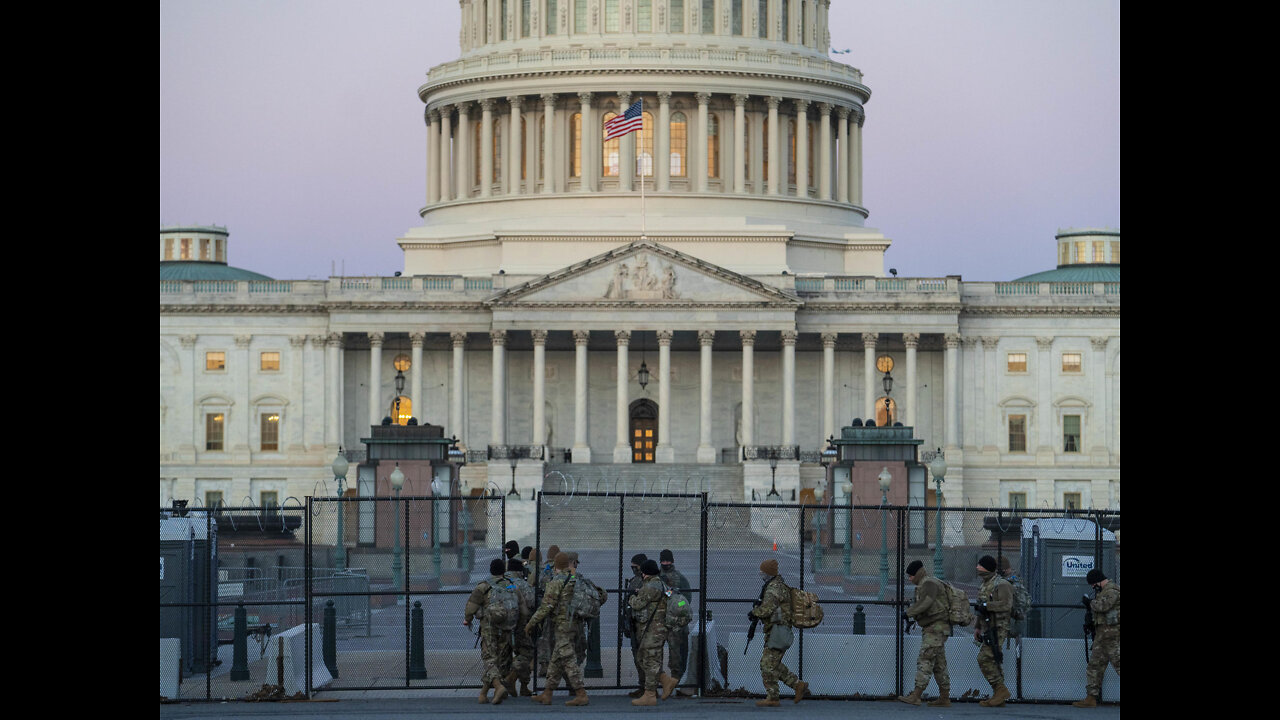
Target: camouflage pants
(932,661)
(580,646)
(649,656)
(524,651)
(772,670)
(495,651)
(677,652)
(1106,649)
(546,640)
(992,670)
(564,663)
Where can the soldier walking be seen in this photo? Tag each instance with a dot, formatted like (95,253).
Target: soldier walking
(496,617)
(1105,606)
(649,611)
(555,606)
(580,648)
(774,609)
(995,596)
(522,665)
(633,586)
(678,638)
(931,611)
(547,634)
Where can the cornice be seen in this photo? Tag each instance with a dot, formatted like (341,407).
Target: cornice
(219,309)
(1037,311)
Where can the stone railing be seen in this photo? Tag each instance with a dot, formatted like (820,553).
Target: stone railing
(763,452)
(1041,289)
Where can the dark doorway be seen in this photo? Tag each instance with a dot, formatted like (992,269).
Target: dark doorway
(644,431)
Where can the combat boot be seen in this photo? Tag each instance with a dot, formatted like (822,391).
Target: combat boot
(499,692)
(668,684)
(524,689)
(484,694)
(998,696)
(913,698)
(510,682)
(801,687)
(767,702)
(1087,702)
(636,693)
(545,697)
(579,697)
(944,698)
(648,699)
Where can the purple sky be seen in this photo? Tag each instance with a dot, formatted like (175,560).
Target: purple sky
(296,124)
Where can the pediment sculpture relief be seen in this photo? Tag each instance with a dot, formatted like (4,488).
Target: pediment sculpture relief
(643,284)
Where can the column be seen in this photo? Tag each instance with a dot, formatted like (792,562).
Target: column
(548,142)
(626,150)
(912,341)
(662,157)
(666,448)
(706,453)
(539,387)
(855,156)
(774,154)
(332,391)
(952,391)
(739,142)
(824,151)
(842,156)
(462,153)
(457,392)
(869,375)
(415,374)
(622,443)
(802,147)
(581,450)
(748,386)
(486,147)
(445,161)
(789,387)
(589,144)
(700,165)
(498,414)
(433,157)
(828,384)
(376,411)
(515,145)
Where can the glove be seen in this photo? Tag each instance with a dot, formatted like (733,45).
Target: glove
(750,617)
(905,616)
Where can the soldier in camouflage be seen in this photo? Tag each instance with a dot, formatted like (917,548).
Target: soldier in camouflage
(495,643)
(649,610)
(522,665)
(1106,636)
(677,639)
(580,649)
(633,586)
(775,598)
(555,607)
(996,595)
(931,611)
(1017,626)
(546,638)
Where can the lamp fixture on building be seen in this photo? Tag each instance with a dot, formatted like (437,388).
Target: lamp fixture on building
(643,375)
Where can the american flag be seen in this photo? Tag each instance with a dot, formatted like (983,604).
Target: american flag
(629,121)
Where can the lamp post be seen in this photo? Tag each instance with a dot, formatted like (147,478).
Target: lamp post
(885,479)
(938,466)
(773,495)
(818,492)
(885,364)
(515,460)
(340,466)
(436,489)
(464,515)
(397,567)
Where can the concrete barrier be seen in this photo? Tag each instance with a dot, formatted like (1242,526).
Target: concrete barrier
(286,664)
(170,656)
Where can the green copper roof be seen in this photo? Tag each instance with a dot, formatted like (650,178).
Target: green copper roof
(202,270)
(1076,273)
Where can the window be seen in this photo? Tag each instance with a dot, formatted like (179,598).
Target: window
(1082,251)
(497,151)
(885,416)
(269,362)
(1064,253)
(550,17)
(1018,502)
(762,18)
(609,157)
(401,410)
(791,154)
(579,16)
(1070,433)
(215,360)
(611,23)
(679,144)
(735,24)
(1071,500)
(502,21)
(713,146)
(644,15)
(269,501)
(644,146)
(213,499)
(1099,251)
(708,17)
(811,139)
(677,16)
(1017,433)
(204,248)
(1016,362)
(270,431)
(213,430)
(786,21)
(1115,252)
(185,253)
(1070,362)
(168,248)
(524,18)
(524,156)
(764,151)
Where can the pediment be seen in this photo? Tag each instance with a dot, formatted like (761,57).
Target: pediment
(643,273)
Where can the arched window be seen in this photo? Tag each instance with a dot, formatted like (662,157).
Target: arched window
(791,154)
(497,151)
(575,146)
(713,146)
(679,144)
(610,157)
(401,410)
(644,153)
(886,416)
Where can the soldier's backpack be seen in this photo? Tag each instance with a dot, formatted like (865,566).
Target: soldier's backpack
(958,610)
(679,613)
(502,606)
(1021,600)
(585,602)
(805,610)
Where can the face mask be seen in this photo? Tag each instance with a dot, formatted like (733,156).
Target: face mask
(635,569)
(764,576)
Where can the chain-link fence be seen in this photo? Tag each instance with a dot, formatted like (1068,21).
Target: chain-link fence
(383,609)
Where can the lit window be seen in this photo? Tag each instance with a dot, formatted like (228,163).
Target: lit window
(269,361)
(1017,433)
(679,144)
(401,410)
(713,147)
(1099,251)
(213,426)
(204,248)
(185,252)
(644,146)
(270,431)
(611,149)
(168,248)
(1070,433)
(215,361)
(1115,252)
(1017,362)
(1070,362)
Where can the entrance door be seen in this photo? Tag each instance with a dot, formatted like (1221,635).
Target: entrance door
(644,431)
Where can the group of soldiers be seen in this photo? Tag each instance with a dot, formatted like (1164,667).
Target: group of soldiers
(545,623)
(1000,585)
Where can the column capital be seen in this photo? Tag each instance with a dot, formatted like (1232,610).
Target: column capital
(334,340)
(498,337)
(417,338)
(789,337)
(486,104)
(740,99)
(548,100)
(187,341)
(706,337)
(585,96)
(773,101)
(664,337)
(317,340)
(623,337)
(539,337)
(515,101)
(1099,343)
(464,107)
(431,115)
(989,342)
(376,338)
(459,339)
(869,339)
(242,341)
(581,337)
(702,97)
(843,112)
(801,106)
(969,340)
(1044,343)
(859,115)
(748,337)
(824,109)
(624,99)
(911,339)
(297,340)
(664,96)
(829,339)
(951,340)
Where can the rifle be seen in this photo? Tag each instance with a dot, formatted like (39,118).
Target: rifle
(1089,629)
(751,632)
(907,624)
(990,636)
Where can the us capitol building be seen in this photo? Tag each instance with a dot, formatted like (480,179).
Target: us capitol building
(553,309)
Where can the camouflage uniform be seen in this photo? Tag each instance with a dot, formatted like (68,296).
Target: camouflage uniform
(580,648)
(930,610)
(555,605)
(997,593)
(495,644)
(634,583)
(649,607)
(1106,637)
(677,639)
(547,634)
(772,669)
(522,643)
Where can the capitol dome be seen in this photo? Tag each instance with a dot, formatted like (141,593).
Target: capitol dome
(190,252)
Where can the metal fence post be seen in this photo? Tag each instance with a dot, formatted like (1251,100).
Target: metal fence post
(330,638)
(417,655)
(593,667)
(240,647)
(859,621)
